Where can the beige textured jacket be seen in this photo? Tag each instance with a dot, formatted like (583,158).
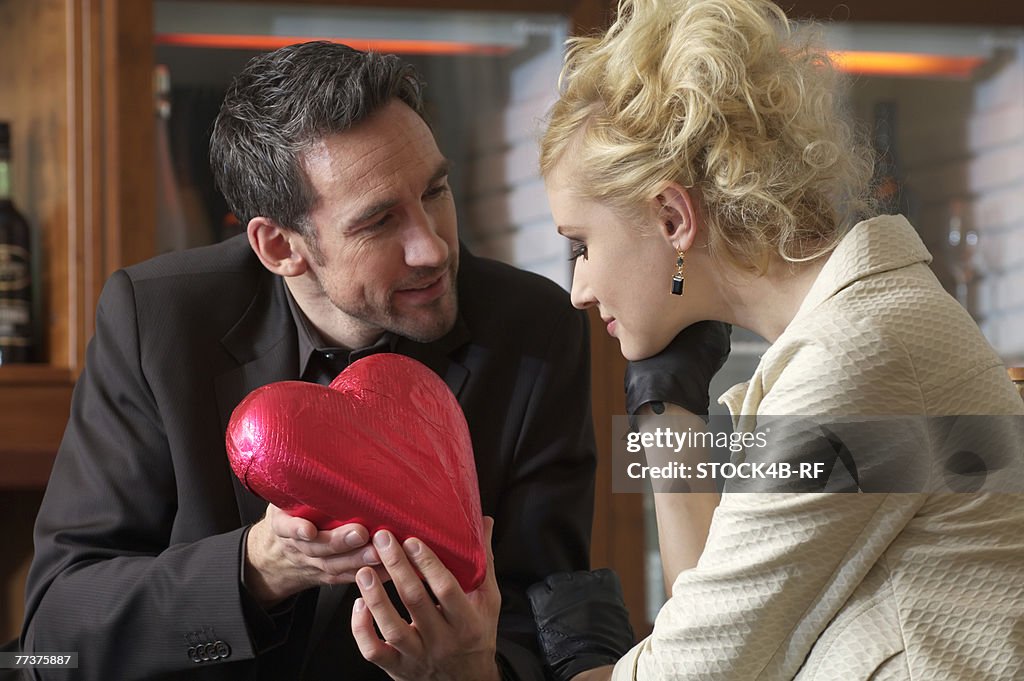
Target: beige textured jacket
(847,587)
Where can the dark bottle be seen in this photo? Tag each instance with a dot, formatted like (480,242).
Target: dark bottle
(15,268)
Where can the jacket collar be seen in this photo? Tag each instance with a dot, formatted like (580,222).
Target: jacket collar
(881,244)
(439,354)
(264,344)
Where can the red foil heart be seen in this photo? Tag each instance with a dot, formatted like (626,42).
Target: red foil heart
(385,445)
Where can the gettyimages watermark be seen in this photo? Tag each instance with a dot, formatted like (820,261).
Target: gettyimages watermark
(877,454)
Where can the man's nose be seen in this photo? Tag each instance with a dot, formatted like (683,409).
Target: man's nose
(424,246)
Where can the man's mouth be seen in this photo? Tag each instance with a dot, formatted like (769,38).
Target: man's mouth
(425,292)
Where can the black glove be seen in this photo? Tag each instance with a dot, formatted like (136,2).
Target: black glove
(681,373)
(582,621)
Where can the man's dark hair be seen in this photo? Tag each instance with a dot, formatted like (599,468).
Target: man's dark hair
(280,104)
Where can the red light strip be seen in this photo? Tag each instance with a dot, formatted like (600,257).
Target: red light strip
(904,64)
(862,63)
(264,42)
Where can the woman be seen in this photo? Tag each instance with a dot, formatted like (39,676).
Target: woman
(698,149)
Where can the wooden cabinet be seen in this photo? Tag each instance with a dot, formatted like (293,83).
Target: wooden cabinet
(77,95)
(82,127)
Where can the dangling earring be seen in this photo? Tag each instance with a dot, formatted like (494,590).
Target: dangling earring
(677,280)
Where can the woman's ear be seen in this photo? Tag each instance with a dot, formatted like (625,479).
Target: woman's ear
(278,249)
(677,216)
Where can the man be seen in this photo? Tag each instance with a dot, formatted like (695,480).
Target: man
(152,561)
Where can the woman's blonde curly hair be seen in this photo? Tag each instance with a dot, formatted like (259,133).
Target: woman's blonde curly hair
(718,96)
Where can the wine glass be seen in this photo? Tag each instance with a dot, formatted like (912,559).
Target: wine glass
(963,255)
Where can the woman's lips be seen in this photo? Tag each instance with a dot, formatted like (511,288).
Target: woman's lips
(611,326)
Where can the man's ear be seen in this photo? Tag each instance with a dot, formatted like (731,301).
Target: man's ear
(276,247)
(677,216)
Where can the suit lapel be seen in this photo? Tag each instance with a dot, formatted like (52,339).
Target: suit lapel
(264,345)
(438,355)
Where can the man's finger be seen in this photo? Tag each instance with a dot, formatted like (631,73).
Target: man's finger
(398,633)
(290,527)
(407,582)
(343,540)
(450,597)
(488,538)
(370,646)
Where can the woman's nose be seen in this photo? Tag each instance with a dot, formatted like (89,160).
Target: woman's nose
(580,295)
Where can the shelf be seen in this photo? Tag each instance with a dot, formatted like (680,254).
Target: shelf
(25,470)
(33,375)
(34,405)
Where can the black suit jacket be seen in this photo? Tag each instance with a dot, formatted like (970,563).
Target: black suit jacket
(139,537)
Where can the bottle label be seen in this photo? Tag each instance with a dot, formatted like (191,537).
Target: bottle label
(5,180)
(14,268)
(15,316)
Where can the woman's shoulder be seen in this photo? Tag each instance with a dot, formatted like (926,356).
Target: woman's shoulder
(840,365)
(894,343)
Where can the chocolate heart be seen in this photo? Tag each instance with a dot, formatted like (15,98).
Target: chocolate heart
(385,445)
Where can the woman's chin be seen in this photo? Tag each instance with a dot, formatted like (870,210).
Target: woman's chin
(624,349)
(634,351)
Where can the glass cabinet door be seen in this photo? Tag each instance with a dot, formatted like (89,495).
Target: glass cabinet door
(490,77)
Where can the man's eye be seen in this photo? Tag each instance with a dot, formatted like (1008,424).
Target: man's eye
(438,191)
(577,249)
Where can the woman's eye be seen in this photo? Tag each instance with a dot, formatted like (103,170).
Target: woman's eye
(577,249)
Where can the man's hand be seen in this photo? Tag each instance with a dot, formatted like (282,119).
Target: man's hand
(454,639)
(285,555)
